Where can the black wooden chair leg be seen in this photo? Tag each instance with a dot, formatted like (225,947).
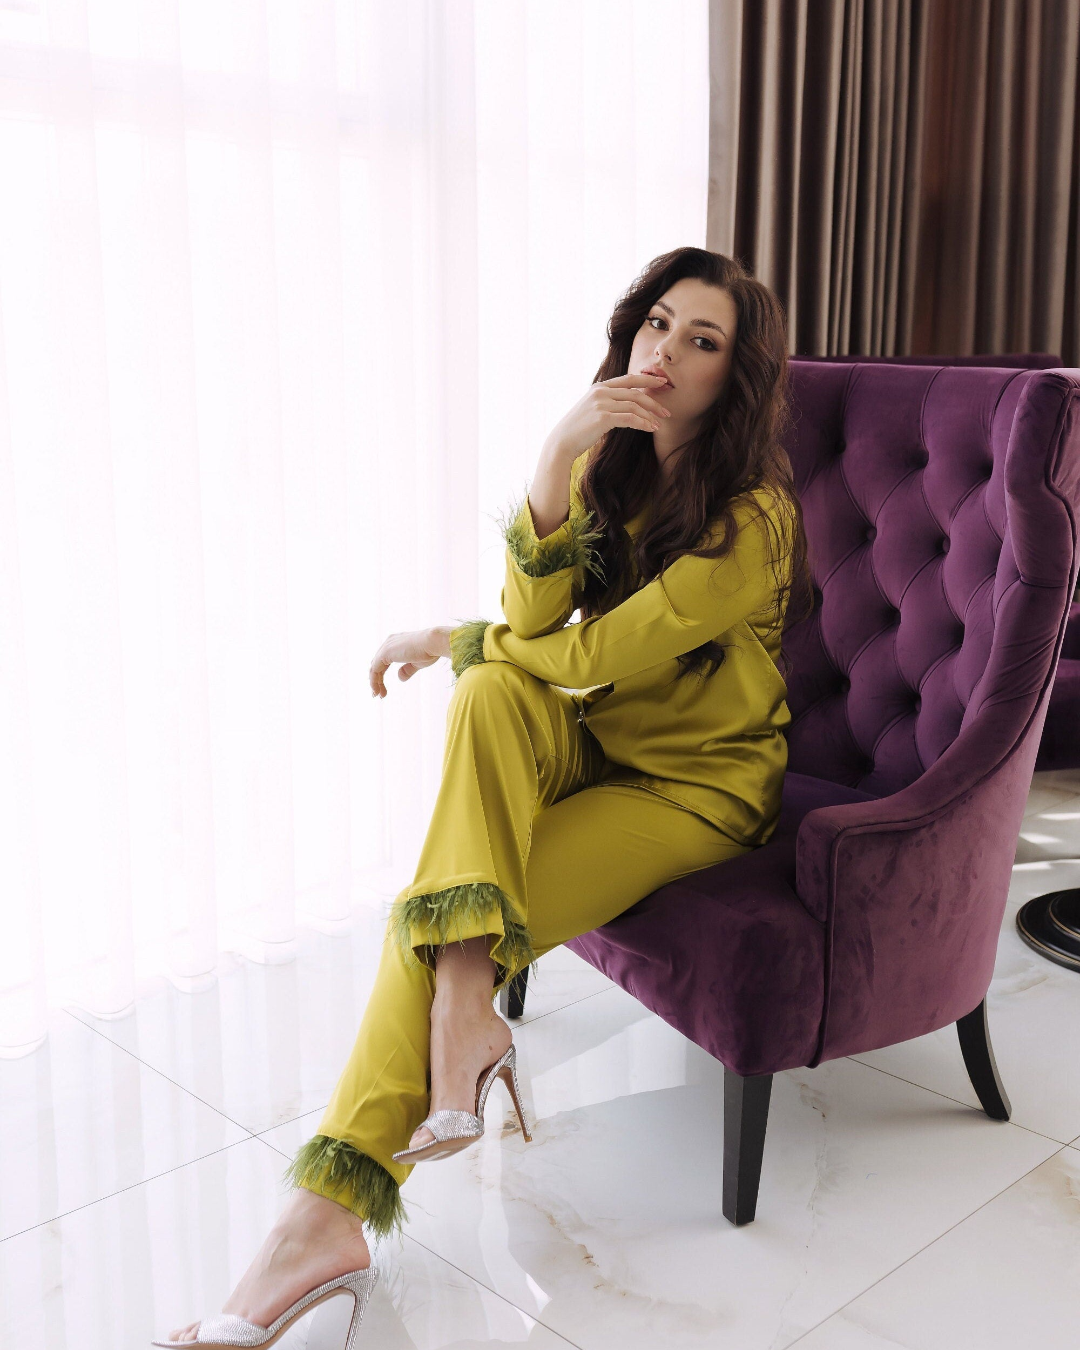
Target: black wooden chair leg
(981,1066)
(746,1115)
(512,995)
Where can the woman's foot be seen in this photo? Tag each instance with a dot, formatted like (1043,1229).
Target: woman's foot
(313,1240)
(467,1036)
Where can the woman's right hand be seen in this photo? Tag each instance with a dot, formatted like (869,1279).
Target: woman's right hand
(623,401)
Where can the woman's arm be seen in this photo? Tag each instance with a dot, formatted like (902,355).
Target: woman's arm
(549,494)
(691,602)
(545,573)
(549,539)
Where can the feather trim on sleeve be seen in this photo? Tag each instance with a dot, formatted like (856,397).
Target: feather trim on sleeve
(571,545)
(467,644)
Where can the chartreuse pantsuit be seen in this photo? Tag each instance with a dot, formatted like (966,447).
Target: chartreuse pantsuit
(578,777)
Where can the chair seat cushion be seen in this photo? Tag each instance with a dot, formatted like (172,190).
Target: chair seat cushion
(728,955)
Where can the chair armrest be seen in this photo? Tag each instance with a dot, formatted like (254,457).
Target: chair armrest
(912,888)
(834,840)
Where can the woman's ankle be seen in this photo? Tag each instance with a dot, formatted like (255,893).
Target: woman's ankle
(310,1215)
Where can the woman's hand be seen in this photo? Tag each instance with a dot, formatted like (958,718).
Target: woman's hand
(623,401)
(416,650)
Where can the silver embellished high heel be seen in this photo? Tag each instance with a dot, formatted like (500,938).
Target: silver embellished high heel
(226,1329)
(455,1130)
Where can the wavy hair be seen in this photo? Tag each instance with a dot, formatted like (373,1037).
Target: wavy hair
(738,448)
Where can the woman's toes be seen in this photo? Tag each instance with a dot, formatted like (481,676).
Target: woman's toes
(421,1137)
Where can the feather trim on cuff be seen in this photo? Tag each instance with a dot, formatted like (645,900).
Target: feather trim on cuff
(537,558)
(467,644)
(339,1171)
(444,912)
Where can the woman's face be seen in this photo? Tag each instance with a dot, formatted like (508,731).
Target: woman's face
(689,336)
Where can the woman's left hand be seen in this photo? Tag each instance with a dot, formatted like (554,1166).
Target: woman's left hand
(415,650)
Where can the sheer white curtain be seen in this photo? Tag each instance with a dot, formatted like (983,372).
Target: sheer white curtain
(290,295)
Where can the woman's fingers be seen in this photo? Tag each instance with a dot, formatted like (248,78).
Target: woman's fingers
(628,417)
(630,381)
(413,650)
(642,398)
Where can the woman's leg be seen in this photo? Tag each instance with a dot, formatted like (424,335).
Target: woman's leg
(553,853)
(525,850)
(514,746)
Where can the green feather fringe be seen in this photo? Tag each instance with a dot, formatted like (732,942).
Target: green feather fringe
(471,901)
(339,1170)
(467,645)
(537,559)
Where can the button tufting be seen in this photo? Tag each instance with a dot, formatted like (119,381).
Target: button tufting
(871,532)
(945,544)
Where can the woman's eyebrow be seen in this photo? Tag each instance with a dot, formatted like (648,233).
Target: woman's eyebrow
(701,323)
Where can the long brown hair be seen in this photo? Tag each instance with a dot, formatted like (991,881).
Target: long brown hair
(738,448)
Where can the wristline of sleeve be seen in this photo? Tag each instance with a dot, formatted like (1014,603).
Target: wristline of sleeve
(467,645)
(570,545)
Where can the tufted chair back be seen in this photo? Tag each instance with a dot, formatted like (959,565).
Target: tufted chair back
(932,587)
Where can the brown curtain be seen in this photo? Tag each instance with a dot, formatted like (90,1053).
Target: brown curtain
(905,174)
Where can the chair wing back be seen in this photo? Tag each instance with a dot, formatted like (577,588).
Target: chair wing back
(940,522)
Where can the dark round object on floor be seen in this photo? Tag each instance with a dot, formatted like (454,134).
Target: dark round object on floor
(1050,925)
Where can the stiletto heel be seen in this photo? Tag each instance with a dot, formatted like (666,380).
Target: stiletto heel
(455,1130)
(509,1077)
(227,1330)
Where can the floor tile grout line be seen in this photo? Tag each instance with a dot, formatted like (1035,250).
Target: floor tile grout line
(155,1176)
(472,1278)
(1061,1143)
(945,1233)
(161,1074)
(528,1021)
(257,1134)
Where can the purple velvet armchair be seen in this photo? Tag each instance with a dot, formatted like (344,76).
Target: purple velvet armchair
(1050,923)
(941,509)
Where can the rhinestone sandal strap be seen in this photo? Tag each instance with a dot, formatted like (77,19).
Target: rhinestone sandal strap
(446,1125)
(229,1329)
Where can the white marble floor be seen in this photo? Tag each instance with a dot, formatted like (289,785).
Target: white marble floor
(141,1161)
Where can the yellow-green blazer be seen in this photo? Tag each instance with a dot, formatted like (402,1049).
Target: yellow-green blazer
(716,746)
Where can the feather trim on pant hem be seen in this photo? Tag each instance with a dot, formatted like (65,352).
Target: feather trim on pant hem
(337,1169)
(471,902)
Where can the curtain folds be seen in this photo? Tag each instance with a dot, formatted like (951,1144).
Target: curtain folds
(290,297)
(905,173)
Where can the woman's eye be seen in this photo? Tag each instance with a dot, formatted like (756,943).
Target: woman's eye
(655,318)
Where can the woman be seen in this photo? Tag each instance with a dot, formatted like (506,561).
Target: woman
(663,507)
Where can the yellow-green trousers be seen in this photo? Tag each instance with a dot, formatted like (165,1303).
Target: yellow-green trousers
(526,844)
